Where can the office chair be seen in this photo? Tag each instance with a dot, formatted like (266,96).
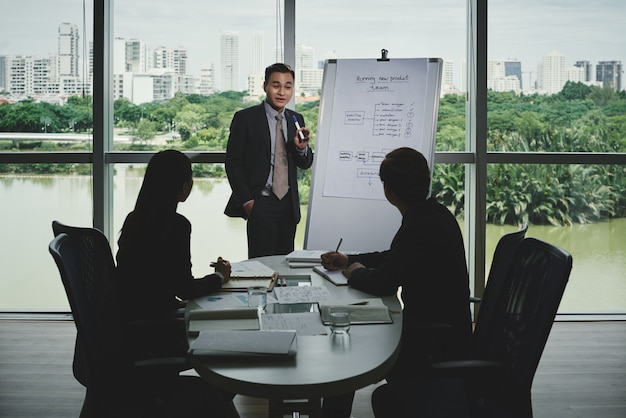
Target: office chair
(142,335)
(118,382)
(498,273)
(497,380)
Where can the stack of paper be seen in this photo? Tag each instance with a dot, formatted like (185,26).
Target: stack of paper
(249,273)
(304,258)
(306,255)
(223,319)
(362,311)
(223,342)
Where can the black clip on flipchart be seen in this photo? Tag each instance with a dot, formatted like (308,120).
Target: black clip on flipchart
(383,55)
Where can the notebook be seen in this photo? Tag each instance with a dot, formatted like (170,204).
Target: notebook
(249,273)
(336,277)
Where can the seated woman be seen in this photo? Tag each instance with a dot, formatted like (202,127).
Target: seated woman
(154,255)
(154,263)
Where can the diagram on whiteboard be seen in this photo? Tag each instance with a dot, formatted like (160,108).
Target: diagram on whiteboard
(377,108)
(391,119)
(366,163)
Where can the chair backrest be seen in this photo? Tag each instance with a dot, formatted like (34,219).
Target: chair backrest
(525,310)
(498,274)
(86,267)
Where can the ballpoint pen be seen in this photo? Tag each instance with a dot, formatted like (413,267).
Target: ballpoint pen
(339,245)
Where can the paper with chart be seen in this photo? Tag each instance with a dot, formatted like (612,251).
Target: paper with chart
(377,107)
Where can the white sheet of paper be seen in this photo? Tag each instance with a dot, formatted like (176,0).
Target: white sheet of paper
(304,323)
(301,294)
(260,342)
(250,268)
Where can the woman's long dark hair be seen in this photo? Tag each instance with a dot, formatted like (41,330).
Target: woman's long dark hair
(166,173)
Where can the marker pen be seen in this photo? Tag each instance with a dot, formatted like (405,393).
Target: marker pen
(298,128)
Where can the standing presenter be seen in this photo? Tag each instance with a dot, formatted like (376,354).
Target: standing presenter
(266,146)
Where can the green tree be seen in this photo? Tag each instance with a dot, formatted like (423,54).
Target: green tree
(145,130)
(574,91)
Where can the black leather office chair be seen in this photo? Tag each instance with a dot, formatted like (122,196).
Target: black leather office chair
(497,380)
(498,273)
(502,255)
(118,381)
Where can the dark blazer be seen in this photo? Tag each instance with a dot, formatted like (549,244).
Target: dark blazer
(154,265)
(426,258)
(249,158)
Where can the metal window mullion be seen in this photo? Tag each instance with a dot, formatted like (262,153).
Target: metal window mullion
(103,116)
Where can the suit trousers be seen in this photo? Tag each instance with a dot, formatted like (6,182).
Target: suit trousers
(271,226)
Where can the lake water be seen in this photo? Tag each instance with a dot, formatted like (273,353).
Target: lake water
(29,279)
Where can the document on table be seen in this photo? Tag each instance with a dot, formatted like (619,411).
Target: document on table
(306,256)
(226,301)
(362,311)
(304,323)
(249,273)
(223,319)
(223,342)
(250,269)
(336,277)
(301,294)
(230,300)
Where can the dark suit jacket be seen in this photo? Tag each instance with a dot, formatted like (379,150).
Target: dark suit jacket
(426,258)
(249,158)
(154,265)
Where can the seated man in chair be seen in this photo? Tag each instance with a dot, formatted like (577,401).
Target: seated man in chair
(427,261)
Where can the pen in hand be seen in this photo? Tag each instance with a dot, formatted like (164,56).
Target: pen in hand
(339,245)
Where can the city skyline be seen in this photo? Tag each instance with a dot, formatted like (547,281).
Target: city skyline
(581,31)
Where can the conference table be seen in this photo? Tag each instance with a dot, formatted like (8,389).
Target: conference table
(324,365)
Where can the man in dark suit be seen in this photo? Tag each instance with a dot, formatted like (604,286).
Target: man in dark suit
(427,260)
(265,187)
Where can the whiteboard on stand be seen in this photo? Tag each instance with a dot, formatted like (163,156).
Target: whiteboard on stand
(368,107)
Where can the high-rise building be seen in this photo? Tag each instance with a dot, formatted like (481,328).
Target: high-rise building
(575,74)
(69,47)
(513,67)
(136,56)
(4,62)
(308,78)
(207,80)
(551,75)
(229,61)
(587,68)
(304,57)
(258,65)
(504,75)
(179,60)
(256,75)
(609,73)
(173,59)
(447,74)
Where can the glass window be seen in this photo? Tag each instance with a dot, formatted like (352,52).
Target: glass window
(213,233)
(180,70)
(580,208)
(555,81)
(407,29)
(45,107)
(30,278)
(45,74)
(556,76)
